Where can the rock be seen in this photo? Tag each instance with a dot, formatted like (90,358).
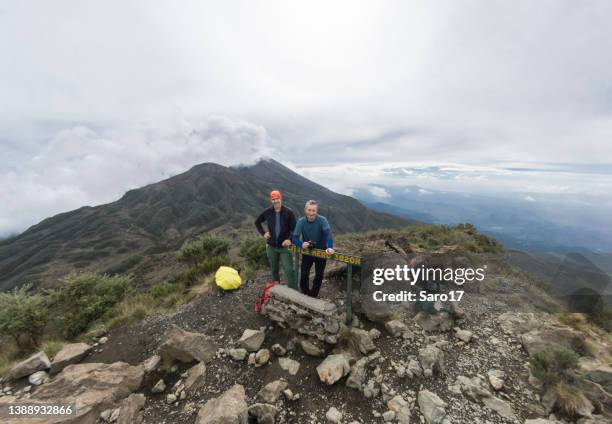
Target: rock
(238,354)
(362,340)
(97,332)
(503,408)
(396,327)
(279,350)
(357,375)
(230,408)
(114,415)
(262,357)
(414,369)
(152,363)
(432,407)
(374,333)
(289,365)
(312,348)
(333,415)
(272,391)
(496,378)
(264,413)
(388,416)
(542,421)
(432,360)
(597,372)
(159,387)
(196,377)
(333,368)
(36,362)
(106,414)
(38,378)
(474,388)
(553,337)
(400,408)
(252,340)
(434,322)
(69,354)
(131,409)
(515,323)
(464,335)
(93,387)
(171,398)
(187,347)
(103,340)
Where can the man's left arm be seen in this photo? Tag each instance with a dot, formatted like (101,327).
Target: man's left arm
(328,237)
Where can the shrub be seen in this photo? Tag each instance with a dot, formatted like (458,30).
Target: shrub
(553,365)
(22,313)
(205,247)
(253,250)
(86,297)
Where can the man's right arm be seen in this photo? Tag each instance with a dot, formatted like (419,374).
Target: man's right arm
(296,234)
(261,218)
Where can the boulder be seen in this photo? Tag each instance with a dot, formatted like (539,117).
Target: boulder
(238,354)
(432,408)
(151,363)
(356,378)
(434,322)
(92,387)
(229,408)
(312,348)
(70,354)
(474,388)
(263,413)
(36,362)
(289,365)
(196,377)
(396,327)
(38,378)
(187,347)
(272,391)
(502,407)
(400,409)
(131,409)
(333,368)
(252,340)
(363,341)
(496,378)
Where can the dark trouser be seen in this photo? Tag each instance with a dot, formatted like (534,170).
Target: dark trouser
(276,254)
(307,262)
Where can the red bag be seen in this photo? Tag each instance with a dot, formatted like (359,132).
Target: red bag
(264,295)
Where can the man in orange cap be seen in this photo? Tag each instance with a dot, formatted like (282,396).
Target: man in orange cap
(280,221)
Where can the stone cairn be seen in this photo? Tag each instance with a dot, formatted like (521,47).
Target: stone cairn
(317,318)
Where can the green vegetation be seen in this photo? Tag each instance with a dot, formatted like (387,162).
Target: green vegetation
(86,297)
(253,250)
(23,314)
(553,365)
(205,247)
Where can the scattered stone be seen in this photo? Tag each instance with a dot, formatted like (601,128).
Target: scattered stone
(279,350)
(288,394)
(171,398)
(357,374)
(69,354)
(131,409)
(396,327)
(333,368)
(388,416)
(264,413)
(262,357)
(289,365)
(38,378)
(159,387)
(252,340)
(238,354)
(312,348)
(464,335)
(362,340)
(401,409)
(474,388)
(374,333)
(333,415)
(434,322)
(272,391)
(187,347)
(230,407)
(36,362)
(502,407)
(152,363)
(103,340)
(553,337)
(432,360)
(432,408)
(496,378)
(196,377)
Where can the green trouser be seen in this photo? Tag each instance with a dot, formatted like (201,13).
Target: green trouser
(274,253)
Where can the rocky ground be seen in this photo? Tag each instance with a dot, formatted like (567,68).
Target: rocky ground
(199,365)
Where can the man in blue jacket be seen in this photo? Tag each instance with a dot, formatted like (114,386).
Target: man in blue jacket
(280,221)
(313,231)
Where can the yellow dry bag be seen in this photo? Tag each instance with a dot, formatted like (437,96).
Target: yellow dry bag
(228,278)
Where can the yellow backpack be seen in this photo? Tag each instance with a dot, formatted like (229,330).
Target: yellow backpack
(228,278)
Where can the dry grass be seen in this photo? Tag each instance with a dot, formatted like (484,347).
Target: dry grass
(570,400)
(51,347)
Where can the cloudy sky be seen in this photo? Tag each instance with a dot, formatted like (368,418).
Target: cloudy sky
(100,97)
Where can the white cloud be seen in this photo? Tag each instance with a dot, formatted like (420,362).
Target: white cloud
(379,192)
(82,166)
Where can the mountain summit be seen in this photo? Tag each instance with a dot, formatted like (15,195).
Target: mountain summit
(137,231)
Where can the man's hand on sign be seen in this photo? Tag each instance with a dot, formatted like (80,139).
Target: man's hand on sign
(329,251)
(267,235)
(305,245)
(286,243)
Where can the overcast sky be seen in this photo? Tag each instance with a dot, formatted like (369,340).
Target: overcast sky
(100,97)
